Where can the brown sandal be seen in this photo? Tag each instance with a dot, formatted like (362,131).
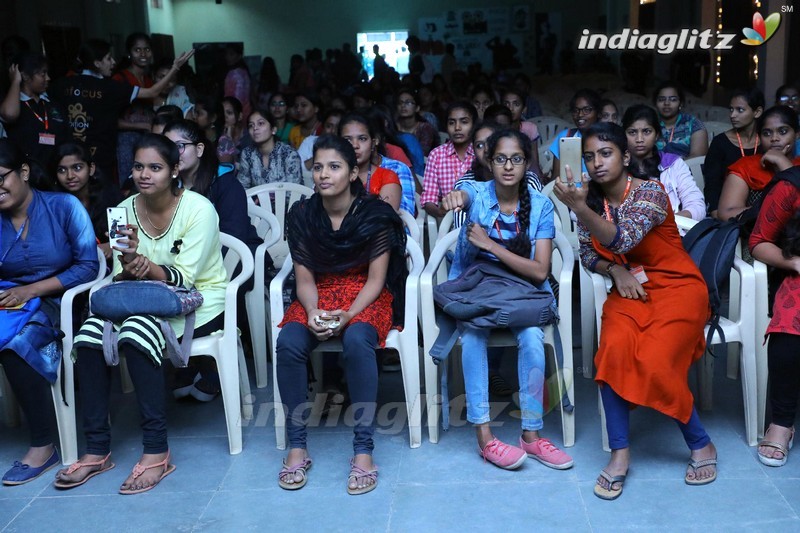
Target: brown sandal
(104,465)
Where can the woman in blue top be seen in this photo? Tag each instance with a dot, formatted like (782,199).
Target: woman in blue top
(47,245)
(681,134)
(511,223)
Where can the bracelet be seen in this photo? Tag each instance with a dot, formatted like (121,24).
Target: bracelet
(609,267)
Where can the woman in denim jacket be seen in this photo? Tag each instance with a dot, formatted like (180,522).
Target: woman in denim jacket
(512,223)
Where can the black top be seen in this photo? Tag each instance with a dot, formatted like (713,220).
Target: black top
(721,154)
(26,132)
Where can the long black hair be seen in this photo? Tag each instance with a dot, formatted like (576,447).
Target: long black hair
(90,51)
(648,167)
(521,243)
(209,164)
(13,158)
(606,132)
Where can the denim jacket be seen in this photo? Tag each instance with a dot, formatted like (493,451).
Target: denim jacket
(484,210)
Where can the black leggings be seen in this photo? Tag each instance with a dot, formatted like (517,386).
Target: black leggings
(784,376)
(33,394)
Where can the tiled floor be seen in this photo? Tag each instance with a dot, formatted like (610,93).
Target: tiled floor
(437,487)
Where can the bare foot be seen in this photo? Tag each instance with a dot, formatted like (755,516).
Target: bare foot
(778,434)
(38,456)
(704,472)
(294,457)
(363,461)
(79,474)
(146,478)
(617,466)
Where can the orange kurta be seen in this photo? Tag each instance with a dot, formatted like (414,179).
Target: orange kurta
(646,348)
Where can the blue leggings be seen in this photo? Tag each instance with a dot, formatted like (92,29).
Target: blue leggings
(617,410)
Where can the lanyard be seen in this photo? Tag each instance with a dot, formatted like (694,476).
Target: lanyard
(741,147)
(497,227)
(19,234)
(611,219)
(44,120)
(369,173)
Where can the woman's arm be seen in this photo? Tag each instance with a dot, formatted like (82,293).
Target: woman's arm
(245,173)
(776,211)
(309,298)
(391,194)
(9,109)
(151,92)
(292,171)
(376,280)
(690,197)
(698,144)
(733,199)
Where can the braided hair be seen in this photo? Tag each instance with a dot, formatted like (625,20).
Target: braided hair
(521,243)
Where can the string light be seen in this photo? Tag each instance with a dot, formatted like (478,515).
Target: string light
(719,27)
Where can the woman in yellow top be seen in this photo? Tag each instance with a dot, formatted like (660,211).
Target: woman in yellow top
(173,236)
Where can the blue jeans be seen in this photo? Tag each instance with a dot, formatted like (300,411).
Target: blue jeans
(530,368)
(295,344)
(617,410)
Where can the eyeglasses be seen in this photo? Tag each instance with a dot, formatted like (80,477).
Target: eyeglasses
(501,160)
(794,98)
(670,99)
(406,103)
(3,176)
(182,146)
(278,104)
(586,110)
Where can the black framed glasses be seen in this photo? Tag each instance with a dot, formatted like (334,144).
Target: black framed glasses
(501,160)
(182,146)
(585,110)
(3,176)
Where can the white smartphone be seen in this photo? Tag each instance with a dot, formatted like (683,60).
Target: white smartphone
(117,220)
(570,154)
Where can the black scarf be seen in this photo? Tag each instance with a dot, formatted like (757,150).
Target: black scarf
(370,228)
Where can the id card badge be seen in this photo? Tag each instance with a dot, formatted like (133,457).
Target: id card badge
(47,138)
(638,273)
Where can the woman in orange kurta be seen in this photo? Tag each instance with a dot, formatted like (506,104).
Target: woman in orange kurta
(652,323)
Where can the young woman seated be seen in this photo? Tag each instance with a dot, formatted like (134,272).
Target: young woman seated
(268,160)
(348,250)
(681,134)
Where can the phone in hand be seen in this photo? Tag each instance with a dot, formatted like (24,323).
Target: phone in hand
(325,321)
(570,154)
(117,220)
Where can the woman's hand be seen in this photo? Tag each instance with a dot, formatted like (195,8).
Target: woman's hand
(777,161)
(478,237)
(321,332)
(795,262)
(455,200)
(344,318)
(627,286)
(572,193)
(106,249)
(14,75)
(16,296)
(131,239)
(182,59)
(136,267)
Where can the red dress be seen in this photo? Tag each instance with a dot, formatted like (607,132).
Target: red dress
(339,291)
(646,348)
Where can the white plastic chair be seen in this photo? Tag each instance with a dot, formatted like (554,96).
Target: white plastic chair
(64,405)
(695,165)
(411,224)
(277,198)
(224,345)
(549,127)
(270,230)
(563,262)
(741,331)
(405,342)
(714,127)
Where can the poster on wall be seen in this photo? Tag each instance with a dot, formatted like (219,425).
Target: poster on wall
(520,18)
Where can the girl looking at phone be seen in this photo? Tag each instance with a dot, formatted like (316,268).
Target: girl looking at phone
(511,223)
(348,250)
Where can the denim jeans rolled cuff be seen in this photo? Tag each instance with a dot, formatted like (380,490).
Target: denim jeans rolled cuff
(530,371)
(293,348)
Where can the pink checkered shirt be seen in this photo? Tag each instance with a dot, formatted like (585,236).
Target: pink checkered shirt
(442,171)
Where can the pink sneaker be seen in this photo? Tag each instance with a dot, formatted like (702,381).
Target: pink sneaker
(503,455)
(546,453)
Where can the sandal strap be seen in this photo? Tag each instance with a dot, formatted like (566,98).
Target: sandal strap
(138,469)
(356,472)
(777,445)
(299,467)
(705,462)
(612,479)
(77,464)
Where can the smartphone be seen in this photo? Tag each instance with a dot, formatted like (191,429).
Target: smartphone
(570,154)
(117,220)
(330,322)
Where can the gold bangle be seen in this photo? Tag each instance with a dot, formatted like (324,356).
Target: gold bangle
(609,267)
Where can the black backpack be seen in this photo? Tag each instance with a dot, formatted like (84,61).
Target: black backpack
(712,246)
